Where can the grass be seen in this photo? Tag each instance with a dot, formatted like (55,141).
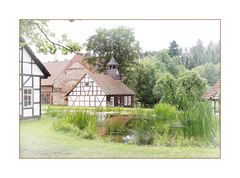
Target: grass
(38,139)
(54,109)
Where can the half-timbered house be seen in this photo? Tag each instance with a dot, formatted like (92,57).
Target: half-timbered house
(31,70)
(76,83)
(64,75)
(101,90)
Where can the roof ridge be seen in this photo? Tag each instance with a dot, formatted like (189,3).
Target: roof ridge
(35,59)
(71,62)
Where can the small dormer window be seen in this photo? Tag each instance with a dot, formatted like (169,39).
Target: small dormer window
(114,67)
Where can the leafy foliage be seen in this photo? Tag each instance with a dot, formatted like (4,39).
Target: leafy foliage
(37,33)
(115,126)
(167,117)
(174,49)
(209,71)
(118,42)
(144,128)
(165,88)
(198,122)
(171,64)
(213,53)
(82,123)
(199,55)
(190,88)
(143,82)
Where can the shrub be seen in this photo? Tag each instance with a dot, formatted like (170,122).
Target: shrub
(116,125)
(166,117)
(144,131)
(51,111)
(190,88)
(198,122)
(143,127)
(78,122)
(90,130)
(166,112)
(63,124)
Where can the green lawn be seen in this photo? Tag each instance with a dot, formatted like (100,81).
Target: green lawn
(38,139)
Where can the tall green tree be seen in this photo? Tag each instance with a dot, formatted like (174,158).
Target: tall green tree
(144,82)
(197,55)
(184,58)
(213,53)
(190,88)
(174,49)
(36,32)
(209,71)
(165,88)
(171,64)
(117,42)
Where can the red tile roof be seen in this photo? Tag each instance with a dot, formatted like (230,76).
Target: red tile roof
(57,67)
(111,86)
(108,85)
(214,93)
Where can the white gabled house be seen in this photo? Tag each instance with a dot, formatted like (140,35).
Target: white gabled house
(31,70)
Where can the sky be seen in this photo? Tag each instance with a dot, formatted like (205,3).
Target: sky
(152,34)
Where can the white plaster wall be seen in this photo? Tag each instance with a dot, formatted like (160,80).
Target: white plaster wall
(36,81)
(27,112)
(36,70)
(27,68)
(20,96)
(26,56)
(29,83)
(25,78)
(20,68)
(70,103)
(36,96)
(36,109)
(20,81)
(20,109)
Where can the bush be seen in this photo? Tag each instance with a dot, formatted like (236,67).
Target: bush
(190,88)
(167,123)
(166,112)
(116,125)
(143,127)
(51,112)
(144,131)
(82,123)
(199,123)
(166,117)
(90,130)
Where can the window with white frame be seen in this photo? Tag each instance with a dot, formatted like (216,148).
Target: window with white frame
(129,100)
(27,97)
(112,101)
(125,101)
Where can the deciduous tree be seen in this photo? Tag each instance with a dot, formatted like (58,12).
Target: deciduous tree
(165,88)
(37,33)
(117,42)
(190,88)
